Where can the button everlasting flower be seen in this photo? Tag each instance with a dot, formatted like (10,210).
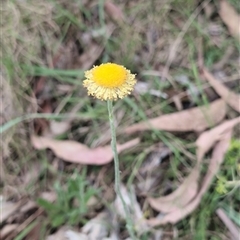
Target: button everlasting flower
(109,81)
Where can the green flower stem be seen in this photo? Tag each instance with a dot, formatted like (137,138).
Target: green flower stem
(116,167)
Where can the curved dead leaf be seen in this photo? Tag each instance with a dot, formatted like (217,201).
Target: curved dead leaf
(194,119)
(228,96)
(72,151)
(114,11)
(179,198)
(217,158)
(8,208)
(7,229)
(188,190)
(207,139)
(230,17)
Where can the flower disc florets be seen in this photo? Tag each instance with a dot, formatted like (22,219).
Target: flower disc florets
(109,81)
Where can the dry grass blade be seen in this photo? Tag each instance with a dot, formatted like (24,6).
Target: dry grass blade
(175,45)
(22,226)
(72,151)
(194,119)
(216,160)
(229,224)
(230,17)
(230,97)
(7,111)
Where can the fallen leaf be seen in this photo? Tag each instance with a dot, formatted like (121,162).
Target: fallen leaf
(48,196)
(8,208)
(179,198)
(65,233)
(7,229)
(217,158)
(207,139)
(97,228)
(194,119)
(230,17)
(230,97)
(28,206)
(72,151)
(72,235)
(229,224)
(114,11)
(58,128)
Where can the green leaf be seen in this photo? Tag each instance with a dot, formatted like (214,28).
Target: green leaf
(47,205)
(58,220)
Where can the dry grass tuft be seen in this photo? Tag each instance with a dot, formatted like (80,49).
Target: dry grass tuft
(25,29)
(7,111)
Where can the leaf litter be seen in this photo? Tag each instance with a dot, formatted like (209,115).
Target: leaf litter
(7,229)
(179,198)
(188,195)
(206,140)
(98,227)
(194,119)
(140,224)
(76,152)
(231,98)
(183,201)
(8,208)
(230,17)
(114,12)
(228,223)
(65,233)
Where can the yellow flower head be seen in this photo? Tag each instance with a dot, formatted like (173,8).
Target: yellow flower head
(109,81)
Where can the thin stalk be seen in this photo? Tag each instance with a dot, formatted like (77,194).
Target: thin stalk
(116,168)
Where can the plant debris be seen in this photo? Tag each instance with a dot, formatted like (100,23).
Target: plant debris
(179,177)
(72,151)
(195,119)
(230,97)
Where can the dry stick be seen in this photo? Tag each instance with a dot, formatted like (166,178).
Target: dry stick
(116,168)
(180,36)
